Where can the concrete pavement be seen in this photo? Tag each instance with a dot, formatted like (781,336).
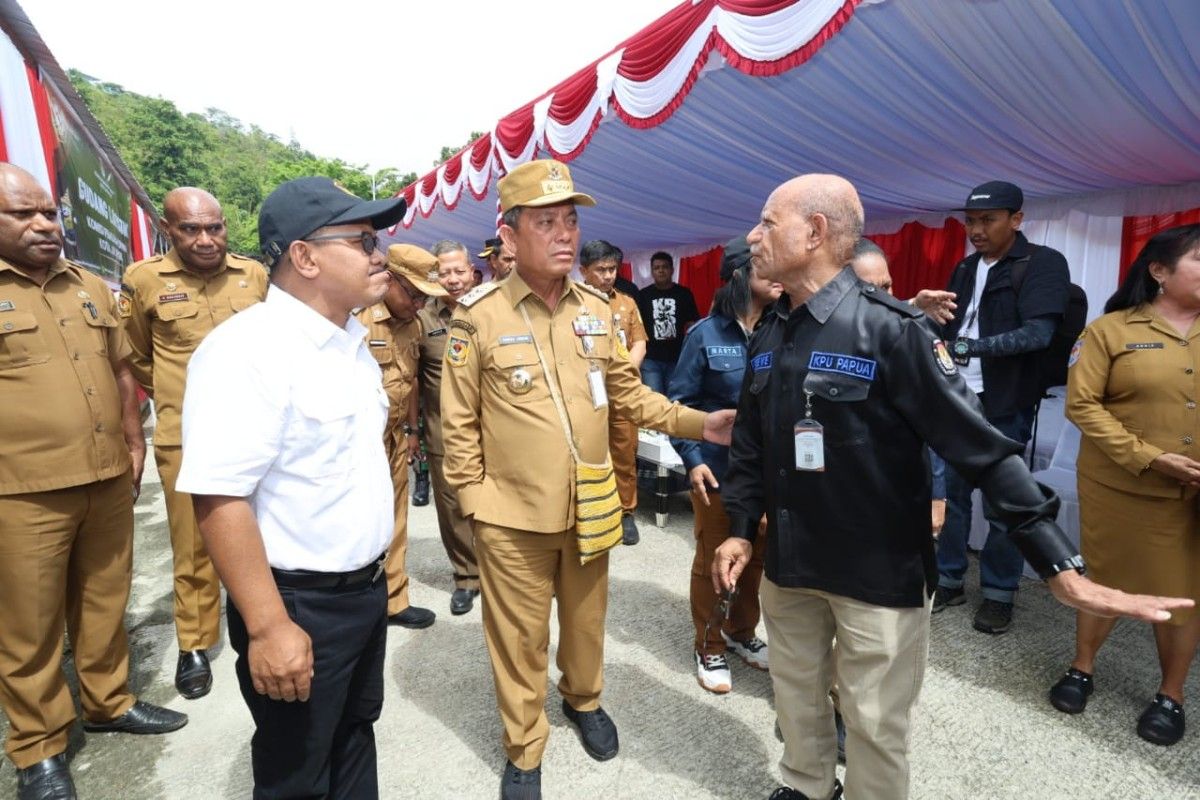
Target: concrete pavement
(983,728)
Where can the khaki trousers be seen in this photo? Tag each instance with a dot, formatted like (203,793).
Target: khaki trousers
(457,537)
(711,528)
(397,578)
(879,664)
(622,445)
(521,571)
(197,588)
(66,557)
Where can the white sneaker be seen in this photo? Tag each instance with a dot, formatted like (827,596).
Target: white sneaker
(753,651)
(712,673)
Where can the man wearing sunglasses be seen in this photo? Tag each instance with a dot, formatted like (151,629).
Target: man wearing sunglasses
(168,304)
(393,334)
(283,454)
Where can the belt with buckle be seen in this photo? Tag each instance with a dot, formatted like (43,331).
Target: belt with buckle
(308,579)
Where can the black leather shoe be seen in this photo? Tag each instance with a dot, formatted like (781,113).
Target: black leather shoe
(193,675)
(142,718)
(1162,722)
(49,779)
(597,731)
(1071,693)
(993,617)
(462,601)
(946,596)
(788,793)
(413,617)
(420,494)
(520,784)
(629,530)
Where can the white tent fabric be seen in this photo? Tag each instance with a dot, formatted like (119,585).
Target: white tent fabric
(22,137)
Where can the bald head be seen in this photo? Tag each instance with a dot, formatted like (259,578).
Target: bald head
(193,221)
(30,235)
(834,198)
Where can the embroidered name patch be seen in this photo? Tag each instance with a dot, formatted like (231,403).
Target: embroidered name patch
(437,332)
(1144,346)
(377,342)
(761,362)
(521,338)
(716,351)
(855,367)
(174,297)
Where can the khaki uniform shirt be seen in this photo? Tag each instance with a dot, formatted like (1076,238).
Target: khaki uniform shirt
(394,346)
(435,324)
(59,346)
(629,325)
(506,451)
(167,311)
(1132,390)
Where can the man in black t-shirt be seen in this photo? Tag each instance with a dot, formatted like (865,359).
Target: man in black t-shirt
(667,310)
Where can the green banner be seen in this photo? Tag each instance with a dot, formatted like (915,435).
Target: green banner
(92,200)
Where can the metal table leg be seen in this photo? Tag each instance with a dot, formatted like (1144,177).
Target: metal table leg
(661,497)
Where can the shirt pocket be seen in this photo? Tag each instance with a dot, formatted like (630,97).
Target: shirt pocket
(723,379)
(21,342)
(516,374)
(838,407)
(601,347)
(323,431)
(98,328)
(181,320)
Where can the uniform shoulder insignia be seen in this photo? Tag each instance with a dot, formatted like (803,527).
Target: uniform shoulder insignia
(475,295)
(883,298)
(593,290)
(138,267)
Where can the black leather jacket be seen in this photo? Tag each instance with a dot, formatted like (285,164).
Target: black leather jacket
(882,386)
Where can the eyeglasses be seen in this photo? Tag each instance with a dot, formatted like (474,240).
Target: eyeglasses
(367,239)
(720,612)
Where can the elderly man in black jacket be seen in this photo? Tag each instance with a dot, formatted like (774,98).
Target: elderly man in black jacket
(846,387)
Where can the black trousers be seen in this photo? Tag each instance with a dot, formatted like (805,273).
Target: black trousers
(323,748)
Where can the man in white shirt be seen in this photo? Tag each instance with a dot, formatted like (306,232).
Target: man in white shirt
(283,422)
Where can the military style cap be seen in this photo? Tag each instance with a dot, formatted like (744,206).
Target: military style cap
(540,183)
(490,247)
(993,195)
(736,256)
(298,207)
(414,264)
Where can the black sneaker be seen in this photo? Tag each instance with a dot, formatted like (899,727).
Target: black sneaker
(629,530)
(993,617)
(1162,722)
(1071,693)
(788,793)
(520,784)
(597,731)
(946,596)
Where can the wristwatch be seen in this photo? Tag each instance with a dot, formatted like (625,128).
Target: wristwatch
(1075,562)
(961,351)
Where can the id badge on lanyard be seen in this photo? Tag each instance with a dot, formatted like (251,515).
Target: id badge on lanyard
(596,384)
(809,440)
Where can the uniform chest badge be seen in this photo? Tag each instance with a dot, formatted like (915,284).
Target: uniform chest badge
(520,382)
(171,286)
(84,295)
(944,360)
(457,350)
(1076,349)
(243,285)
(590,326)
(6,305)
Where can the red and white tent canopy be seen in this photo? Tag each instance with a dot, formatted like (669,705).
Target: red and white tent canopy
(683,129)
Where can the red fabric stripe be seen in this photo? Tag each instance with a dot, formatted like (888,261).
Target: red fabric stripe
(480,151)
(41,108)
(514,131)
(921,257)
(702,274)
(1136,231)
(135,231)
(3,145)
(453,168)
(796,57)
(572,95)
(647,52)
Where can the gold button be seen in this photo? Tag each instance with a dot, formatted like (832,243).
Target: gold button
(1191,403)
(1188,370)
(99,427)
(1183,342)
(1187,440)
(8,326)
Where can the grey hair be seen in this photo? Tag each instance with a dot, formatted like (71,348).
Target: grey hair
(512,216)
(865,247)
(443,246)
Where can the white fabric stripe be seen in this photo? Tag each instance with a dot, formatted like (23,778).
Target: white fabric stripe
(22,138)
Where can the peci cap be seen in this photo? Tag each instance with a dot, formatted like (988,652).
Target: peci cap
(543,182)
(414,264)
(298,207)
(994,195)
(736,256)
(490,248)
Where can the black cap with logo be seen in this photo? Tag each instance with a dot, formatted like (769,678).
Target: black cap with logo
(994,195)
(297,208)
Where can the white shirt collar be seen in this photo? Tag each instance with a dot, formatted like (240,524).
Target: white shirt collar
(316,327)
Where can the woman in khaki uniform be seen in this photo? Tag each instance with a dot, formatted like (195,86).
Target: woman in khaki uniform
(1132,390)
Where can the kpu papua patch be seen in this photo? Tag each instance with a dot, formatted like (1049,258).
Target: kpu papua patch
(457,350)
(1076,349)
(854,366)
(941,354)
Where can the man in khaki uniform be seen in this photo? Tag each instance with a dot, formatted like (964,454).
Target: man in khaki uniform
(598,264)
(505,456)
(71,454)
(393,334)
(168,304)
(454,275)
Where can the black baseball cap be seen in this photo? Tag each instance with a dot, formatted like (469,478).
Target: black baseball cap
(736,256)
(995,194)
(297,208)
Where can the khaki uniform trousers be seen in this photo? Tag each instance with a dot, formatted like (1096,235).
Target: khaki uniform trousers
(197,588)
(393,570)
(521,571)
(711,528)
(66,556)
(622,444)
(879,664)
(457,537)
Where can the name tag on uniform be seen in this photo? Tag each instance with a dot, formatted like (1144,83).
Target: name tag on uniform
(596,384)
(1144,346)
(855,367)
(810,445)
(716,351)
(377,342)
(174,297)
(523,338)
(437,332)
(761,362)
